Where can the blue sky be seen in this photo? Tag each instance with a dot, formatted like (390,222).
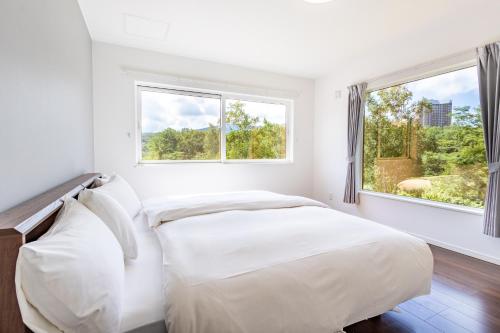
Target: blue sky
(459,86)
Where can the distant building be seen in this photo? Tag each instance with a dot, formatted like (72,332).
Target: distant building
(440,114)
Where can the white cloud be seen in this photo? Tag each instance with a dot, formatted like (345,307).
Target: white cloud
(274,113)
(445,86)
(162,110)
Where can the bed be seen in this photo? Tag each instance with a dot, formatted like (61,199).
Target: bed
(247,262)
(264,262)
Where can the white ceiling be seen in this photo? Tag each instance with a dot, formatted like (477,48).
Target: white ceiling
(292,36)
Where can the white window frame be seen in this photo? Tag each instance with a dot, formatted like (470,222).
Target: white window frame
(442,66)
(223,96)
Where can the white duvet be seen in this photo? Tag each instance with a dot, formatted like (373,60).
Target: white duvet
(293,266)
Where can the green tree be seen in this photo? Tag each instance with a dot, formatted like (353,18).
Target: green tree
(161,145)
(211,145)
(465,117)
(395,116)
(191,143)
(391,119)
(239,137)
(268,141)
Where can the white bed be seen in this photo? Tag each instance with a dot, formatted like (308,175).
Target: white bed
(143,308)
(294,266)
(261,262)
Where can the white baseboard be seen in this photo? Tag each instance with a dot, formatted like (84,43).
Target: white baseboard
(459,249)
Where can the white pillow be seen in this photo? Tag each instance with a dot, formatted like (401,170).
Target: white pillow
(120,190)
(115,217)
(74,274)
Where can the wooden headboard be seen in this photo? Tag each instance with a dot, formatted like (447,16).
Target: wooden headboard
(25,223)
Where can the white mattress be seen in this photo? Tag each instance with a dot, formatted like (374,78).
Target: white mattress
(303,269)
(144,295)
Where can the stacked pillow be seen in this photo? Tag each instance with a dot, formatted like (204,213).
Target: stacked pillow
(116,204)
(117,188)
(74,274)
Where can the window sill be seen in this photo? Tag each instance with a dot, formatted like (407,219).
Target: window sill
(151,163)
(257,162)
(442,205)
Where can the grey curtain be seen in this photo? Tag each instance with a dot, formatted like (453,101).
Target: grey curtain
(354,128)
(488,65)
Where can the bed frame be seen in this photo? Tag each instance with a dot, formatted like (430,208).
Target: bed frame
(25,223)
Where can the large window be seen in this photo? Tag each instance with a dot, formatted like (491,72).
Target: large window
(424,139)
(186,126)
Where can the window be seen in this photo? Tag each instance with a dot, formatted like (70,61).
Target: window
(186,126)
(179,125)
(424,139)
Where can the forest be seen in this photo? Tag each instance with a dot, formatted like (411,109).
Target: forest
(247,137)
(401,156)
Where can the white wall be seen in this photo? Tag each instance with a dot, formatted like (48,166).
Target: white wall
(114,118)
(458,231)
(45,97)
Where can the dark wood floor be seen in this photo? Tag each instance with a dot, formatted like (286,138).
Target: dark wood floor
(465,297)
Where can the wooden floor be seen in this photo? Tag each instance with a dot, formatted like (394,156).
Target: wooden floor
(465,297)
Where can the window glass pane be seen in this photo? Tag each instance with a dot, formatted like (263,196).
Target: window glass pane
(255,130)
(177,126)
(424,139)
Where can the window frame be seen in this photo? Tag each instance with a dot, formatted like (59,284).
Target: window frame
(223,96)
(415,74)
